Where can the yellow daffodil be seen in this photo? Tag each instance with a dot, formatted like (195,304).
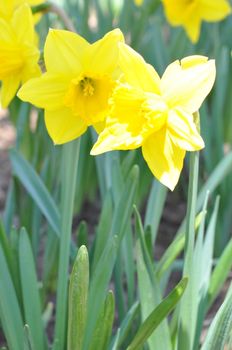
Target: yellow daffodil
(7,7)
(18,53)
(77,85)
(157,114)
(190,14)
(138,2)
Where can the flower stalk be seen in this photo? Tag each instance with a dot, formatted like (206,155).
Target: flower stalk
(57,10)
(69,165)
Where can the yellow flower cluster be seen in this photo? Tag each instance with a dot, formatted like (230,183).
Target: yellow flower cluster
(19,54)
(109,86)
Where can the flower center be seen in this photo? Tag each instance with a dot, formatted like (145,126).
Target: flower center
(155,112)
(87,86)
(88,97)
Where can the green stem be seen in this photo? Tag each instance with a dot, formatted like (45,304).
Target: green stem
(187,320)
(53,8)
(69,164)
(191,211)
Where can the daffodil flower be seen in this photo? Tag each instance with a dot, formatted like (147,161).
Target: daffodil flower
(190,14)
(18,53)
(79,80)
(157,114)
(7,7)
(138,2)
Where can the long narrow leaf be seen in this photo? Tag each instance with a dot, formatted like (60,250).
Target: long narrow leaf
(157,315)
(36,188)
(78,296)
(10,314)
(31,297)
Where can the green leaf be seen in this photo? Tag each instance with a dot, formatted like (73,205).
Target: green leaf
(30,292)
(149,290)
(28,341)
(174,249)
(223,168)
(103,228)
(203,259)
(36,188)
(102,332)
(158,315)
(98,287)
(220,273)
(189,303)
(9,207)
(10,314)
(155,206)
(220,328)
(78,296)
(125,326)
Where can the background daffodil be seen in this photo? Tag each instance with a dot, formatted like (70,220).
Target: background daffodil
(190,14)
(18,53)
(138,2)
(79,81)
(157,114)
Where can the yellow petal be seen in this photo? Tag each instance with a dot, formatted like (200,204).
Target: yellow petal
(102,56)
(136,71)
(63,126)
(164,158)
(183,131)
(46,92)
(178,11)
(124,127)
(116,137)
(6,8)
(215,10)
(9,87)
(192,26)
(23,22)
(35,2)
(30,2)
(6,31)
(63,52)
(186,84)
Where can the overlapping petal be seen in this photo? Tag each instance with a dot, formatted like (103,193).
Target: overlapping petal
(164,158)
(136,71)
(212,10)
(46,92)
(63,126)
(25,29)
(9,88)
(123,128)
(104,50)
(183,130)
(187,83)
(63,52)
